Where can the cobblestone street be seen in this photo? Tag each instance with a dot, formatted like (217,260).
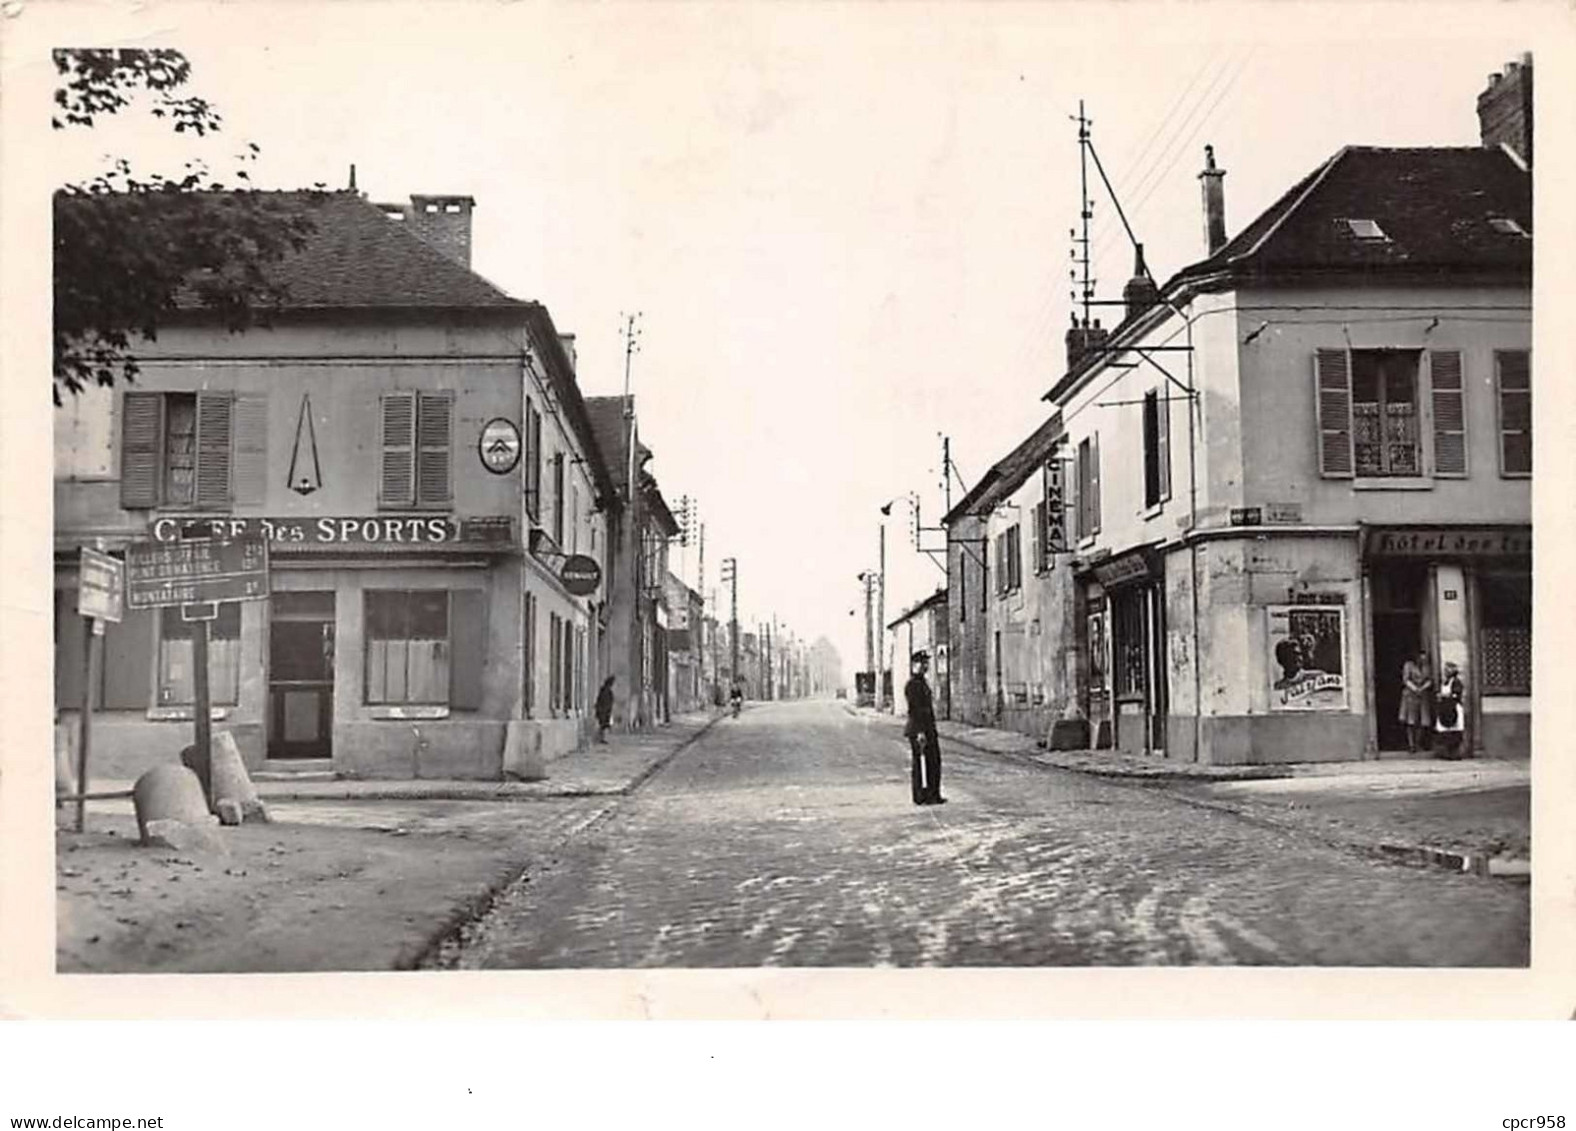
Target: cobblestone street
(786,838)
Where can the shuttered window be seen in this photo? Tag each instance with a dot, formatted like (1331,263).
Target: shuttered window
(528,675)
(249,476)
(433,426)
(176,450)
(1333,400)
(142,432)
(533,462)
(558,498)
(1039,537)
(214,418)
(416,449)
(1448,397)
(1513,372)
(1089,486)
(397,481)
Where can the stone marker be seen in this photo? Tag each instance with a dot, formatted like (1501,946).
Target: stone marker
(228,811)
(231,782)
(65,776)
(171,810)
(522,751)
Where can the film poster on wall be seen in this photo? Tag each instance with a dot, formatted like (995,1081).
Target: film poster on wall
(1307,669)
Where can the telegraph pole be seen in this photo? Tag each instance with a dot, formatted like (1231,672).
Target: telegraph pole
(881,624)
(730,576)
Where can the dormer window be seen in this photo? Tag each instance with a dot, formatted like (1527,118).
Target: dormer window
(1506,226)
(1367,230)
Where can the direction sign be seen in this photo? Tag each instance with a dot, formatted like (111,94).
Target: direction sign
(499,446)
(100,585)
(185,573)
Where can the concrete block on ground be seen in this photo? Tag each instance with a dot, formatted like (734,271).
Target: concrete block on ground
(229,811)
(522,751)
(228,773)
(185,837)
(169,792)
(65,773)
(1070,734)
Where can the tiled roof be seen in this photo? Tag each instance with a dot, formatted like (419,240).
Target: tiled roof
(612,437)
(1009,472)
(356,257)
(1432,204)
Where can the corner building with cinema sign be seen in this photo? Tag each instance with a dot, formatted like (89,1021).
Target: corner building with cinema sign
(1302,460)
(415,609)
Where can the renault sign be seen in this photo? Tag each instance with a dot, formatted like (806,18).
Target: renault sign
(580,574)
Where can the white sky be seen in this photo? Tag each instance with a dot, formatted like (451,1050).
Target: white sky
(845,225)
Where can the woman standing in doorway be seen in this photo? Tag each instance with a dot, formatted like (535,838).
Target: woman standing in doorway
(1451,712)
(1414,713)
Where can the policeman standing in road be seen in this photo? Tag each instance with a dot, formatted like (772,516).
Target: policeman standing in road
(923,742)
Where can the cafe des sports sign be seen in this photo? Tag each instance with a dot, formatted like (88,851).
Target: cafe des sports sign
(351,531)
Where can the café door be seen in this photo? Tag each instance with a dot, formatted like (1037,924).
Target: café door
(301,675)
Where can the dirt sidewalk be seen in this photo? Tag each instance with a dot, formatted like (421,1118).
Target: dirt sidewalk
(345,877)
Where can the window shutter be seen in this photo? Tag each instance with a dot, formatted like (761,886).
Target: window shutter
(558,498)
(397,484)
(1333,397)
(128,658)
(214,418)
(250,473)
(1450,421)
(142,420)
(432,463)
(528,676)
(467,647)
(1094,483)
(1037,536)
(568,654)
(533,486)
(69,653)
(1163,436)
(1072,497)
(1515,411)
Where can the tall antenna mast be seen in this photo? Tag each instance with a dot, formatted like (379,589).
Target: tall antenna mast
(1085,211)
(631,345)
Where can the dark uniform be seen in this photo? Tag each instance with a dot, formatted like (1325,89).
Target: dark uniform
(922,739)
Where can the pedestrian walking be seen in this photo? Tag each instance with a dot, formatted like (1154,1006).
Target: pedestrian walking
(1450,712)
(1415,713)
(924,744)
(604,709)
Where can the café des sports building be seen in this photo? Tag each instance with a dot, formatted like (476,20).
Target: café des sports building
(385,436)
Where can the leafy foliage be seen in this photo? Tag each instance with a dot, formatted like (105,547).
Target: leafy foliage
(132,251)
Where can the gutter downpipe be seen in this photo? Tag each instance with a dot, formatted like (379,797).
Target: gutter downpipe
(1192,524)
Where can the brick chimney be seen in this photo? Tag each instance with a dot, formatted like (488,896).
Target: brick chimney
(568,342)
(1505,109)
(444,222)
(1141,292)
(1214,203)
(1082,339)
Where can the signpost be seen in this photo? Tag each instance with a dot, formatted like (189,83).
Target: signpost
(580,574)
(100,581)
(197,574)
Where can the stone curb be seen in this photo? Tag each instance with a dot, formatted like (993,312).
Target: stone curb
(1469,863)
(360,790)
(450,934)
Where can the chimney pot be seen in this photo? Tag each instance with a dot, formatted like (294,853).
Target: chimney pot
(1504,109)
(444,222)
(1214,203)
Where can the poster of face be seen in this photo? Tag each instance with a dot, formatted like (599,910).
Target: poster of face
(1307,647)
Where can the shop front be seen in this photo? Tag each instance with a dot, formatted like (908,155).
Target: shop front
(383,651)
(1454,594)
(1125,630)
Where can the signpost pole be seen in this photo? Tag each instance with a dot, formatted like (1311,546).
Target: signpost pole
(95,636)
(204,737)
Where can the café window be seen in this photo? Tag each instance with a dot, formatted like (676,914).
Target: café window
(1385,433)
(407,646)
(1505,616)
(177,680)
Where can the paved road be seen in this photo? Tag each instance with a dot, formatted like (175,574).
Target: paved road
(786,838)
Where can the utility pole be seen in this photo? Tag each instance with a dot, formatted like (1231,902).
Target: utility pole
(730,576)
(870,646)
(633,522)
(881,624)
